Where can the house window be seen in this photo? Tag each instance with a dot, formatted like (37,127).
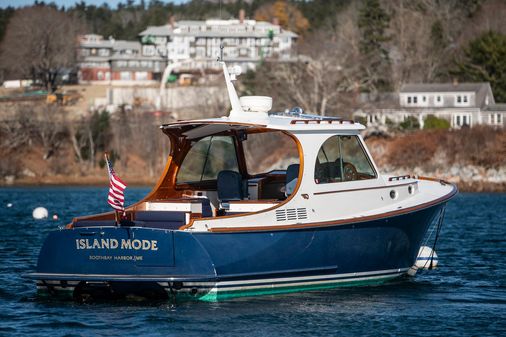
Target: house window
(415,99)
(141,75)
(465,98)
(424,99)
(409,99)
(125,76)
(464,120)
(438,99)
(459,99)
(499,119)
(458,121)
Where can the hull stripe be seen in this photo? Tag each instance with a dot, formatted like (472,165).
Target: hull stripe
(297,280)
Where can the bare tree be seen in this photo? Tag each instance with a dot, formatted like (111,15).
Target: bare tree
(424,38)
(39,43)
(326,75)
(51,128)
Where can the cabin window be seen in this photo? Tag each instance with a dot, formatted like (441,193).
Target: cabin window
(268,151)
(342,158)
(207,158)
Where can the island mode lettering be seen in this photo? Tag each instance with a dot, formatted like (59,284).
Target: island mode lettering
(125,244)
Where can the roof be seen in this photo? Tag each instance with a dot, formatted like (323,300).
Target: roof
(496,107)
(279,121)
(481,89)
(444,87)
(178,29)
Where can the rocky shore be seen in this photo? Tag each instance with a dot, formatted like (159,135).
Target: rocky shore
(474,159)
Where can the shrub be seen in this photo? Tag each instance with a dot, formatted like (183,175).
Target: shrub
(410,123)
(360,119)
(432,122)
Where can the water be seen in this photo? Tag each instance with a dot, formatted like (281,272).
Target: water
(466,295)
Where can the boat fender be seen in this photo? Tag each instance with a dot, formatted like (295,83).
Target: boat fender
(427,258)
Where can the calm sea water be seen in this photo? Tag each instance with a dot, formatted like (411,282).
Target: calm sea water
(466,295)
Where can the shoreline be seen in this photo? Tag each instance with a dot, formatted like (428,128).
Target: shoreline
(473,187)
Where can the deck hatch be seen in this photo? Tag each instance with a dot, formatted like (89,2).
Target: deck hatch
(291,214)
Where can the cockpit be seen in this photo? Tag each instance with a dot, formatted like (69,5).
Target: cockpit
(230,169)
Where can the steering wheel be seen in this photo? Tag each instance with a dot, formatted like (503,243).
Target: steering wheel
(350,172)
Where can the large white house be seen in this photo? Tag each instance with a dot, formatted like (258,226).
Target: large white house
(245,42)
(462,104)
(194,44)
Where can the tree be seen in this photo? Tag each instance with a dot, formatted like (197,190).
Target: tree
(373,22)
(325,79)
(39,43)
(484,60)
(288,16)
(422,39)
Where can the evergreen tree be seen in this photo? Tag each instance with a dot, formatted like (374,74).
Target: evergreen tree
(373,21)
(484,60)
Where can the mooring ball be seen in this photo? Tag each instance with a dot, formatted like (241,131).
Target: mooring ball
(9,205)
(425,255)
(40,213)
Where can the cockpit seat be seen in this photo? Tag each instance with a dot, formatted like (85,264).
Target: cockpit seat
(160,219)
(230,187)
(292,174)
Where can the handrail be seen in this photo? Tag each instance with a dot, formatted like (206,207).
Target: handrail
(319,121)
(397,178)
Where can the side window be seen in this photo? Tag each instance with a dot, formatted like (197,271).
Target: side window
(342,158)
(262,152)
(207,158)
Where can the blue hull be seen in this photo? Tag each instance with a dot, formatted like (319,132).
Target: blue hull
(212,266)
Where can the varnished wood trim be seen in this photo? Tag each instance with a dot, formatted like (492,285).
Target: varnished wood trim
(322,121)
(266,201)
(204,122)
(365,188)
(440,200)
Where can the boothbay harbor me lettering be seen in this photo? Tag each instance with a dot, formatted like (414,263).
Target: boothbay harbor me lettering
(124,244)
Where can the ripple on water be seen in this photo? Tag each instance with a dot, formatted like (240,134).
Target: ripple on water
(465,295)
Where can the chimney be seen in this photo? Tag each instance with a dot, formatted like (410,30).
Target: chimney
(172,21)
(275,21)
(455,82)
(242,14)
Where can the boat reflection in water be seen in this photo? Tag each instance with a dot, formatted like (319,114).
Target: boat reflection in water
(214,228)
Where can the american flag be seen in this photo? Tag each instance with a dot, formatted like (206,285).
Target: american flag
(116,197)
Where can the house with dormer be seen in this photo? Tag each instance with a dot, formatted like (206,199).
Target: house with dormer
(462,104)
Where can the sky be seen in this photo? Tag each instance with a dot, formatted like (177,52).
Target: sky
(69,3)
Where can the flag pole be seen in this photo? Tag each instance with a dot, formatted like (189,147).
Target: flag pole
(116,196)
(116,217)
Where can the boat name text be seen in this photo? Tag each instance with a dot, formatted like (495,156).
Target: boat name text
(124,244)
